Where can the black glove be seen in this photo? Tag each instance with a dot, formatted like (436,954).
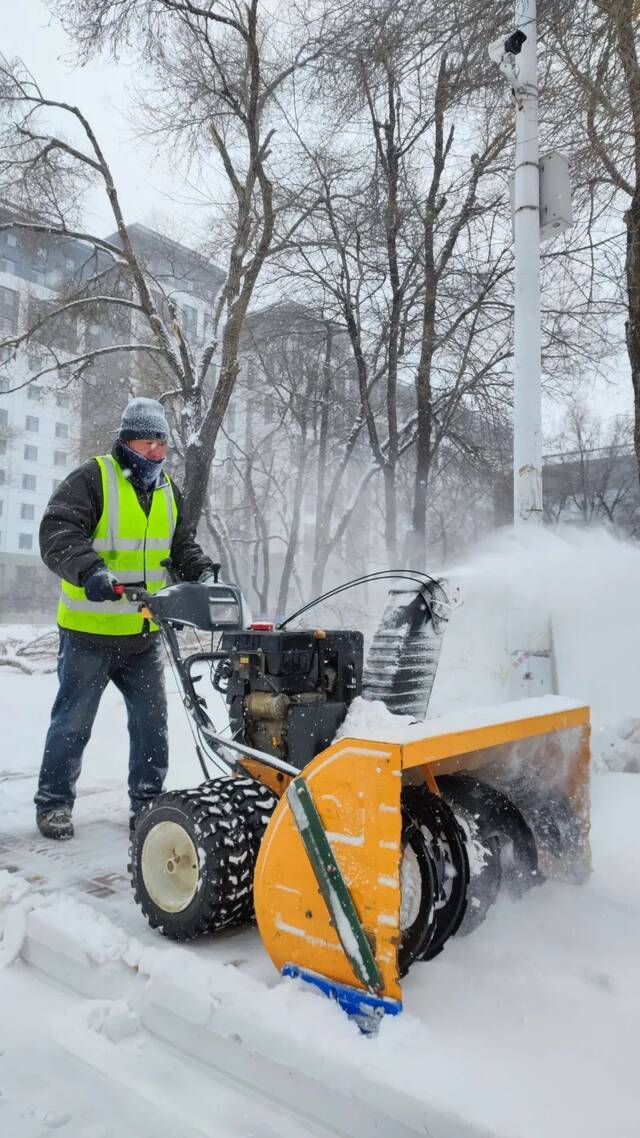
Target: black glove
(99,586)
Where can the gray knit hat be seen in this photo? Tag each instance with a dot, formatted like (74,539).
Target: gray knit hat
(144,419)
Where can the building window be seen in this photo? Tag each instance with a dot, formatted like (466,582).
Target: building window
(32,423)
(8,266)
(28,481)
(33,391)
(25,541)
(27,512)
(38,277)
(30,453)
(3,477)
(36,359)
(189,317)
(3,446)
(62,399)
(9,302)
(4,417)
(1,507)
(62,430)
(12,240)
(4,385)
(59,458)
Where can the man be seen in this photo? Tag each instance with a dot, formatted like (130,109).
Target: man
(114,519)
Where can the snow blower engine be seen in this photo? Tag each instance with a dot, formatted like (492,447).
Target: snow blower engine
(288,692)
(357,854)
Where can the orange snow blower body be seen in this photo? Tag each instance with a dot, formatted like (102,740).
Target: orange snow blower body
(533,753)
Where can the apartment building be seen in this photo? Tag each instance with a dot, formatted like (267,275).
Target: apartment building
(179,276)
(39,423)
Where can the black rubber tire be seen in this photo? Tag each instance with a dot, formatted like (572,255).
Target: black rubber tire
(416,938)
(484,883)
(446,846)
(496,823)
(498,817)
(254,804)
(551,816)
(224,819)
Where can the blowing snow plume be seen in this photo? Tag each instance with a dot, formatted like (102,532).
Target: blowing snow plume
(587,582)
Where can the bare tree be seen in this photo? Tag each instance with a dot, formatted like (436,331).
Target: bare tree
(594,96)
(403,246)
(281,479)
(590,471)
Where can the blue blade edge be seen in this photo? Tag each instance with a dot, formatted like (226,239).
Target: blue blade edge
(366,1009)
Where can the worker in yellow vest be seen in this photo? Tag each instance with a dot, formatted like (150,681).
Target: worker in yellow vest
(113,520)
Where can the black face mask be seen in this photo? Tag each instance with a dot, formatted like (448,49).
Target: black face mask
(146,472)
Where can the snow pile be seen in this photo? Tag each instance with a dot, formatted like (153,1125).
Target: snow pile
(113,1019)
(96,935)
(372,720)
(67,920)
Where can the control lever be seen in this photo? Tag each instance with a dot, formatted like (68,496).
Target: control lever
(167,563)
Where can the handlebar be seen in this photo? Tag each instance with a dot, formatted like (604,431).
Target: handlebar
(208,606)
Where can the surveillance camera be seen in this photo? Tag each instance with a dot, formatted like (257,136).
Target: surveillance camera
(503,52)
(513,43)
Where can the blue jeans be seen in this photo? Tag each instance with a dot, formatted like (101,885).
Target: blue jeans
(84,672)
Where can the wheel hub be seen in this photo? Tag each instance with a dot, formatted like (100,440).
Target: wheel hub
(169,865)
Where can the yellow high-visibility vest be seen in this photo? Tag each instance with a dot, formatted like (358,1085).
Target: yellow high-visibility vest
(131,545)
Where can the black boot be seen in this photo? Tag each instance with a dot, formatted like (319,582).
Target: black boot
(55,823)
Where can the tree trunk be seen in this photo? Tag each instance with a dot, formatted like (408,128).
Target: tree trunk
(391,515)
(632,329)
(322,519)
(294,533)
(416,549)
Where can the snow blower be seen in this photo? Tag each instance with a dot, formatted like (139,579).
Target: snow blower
(357,857)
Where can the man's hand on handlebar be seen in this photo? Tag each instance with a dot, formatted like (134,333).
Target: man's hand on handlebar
(103,586)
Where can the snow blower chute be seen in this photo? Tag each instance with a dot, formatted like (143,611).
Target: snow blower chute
(357,856)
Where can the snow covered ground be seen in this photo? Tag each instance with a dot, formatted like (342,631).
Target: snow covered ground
(83,1068)
(529,1028)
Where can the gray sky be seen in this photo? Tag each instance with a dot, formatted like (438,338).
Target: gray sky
(103,91)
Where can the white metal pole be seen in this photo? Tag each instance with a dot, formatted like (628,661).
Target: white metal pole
(527,410)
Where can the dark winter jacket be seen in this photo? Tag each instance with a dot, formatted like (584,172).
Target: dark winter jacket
(70,519)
